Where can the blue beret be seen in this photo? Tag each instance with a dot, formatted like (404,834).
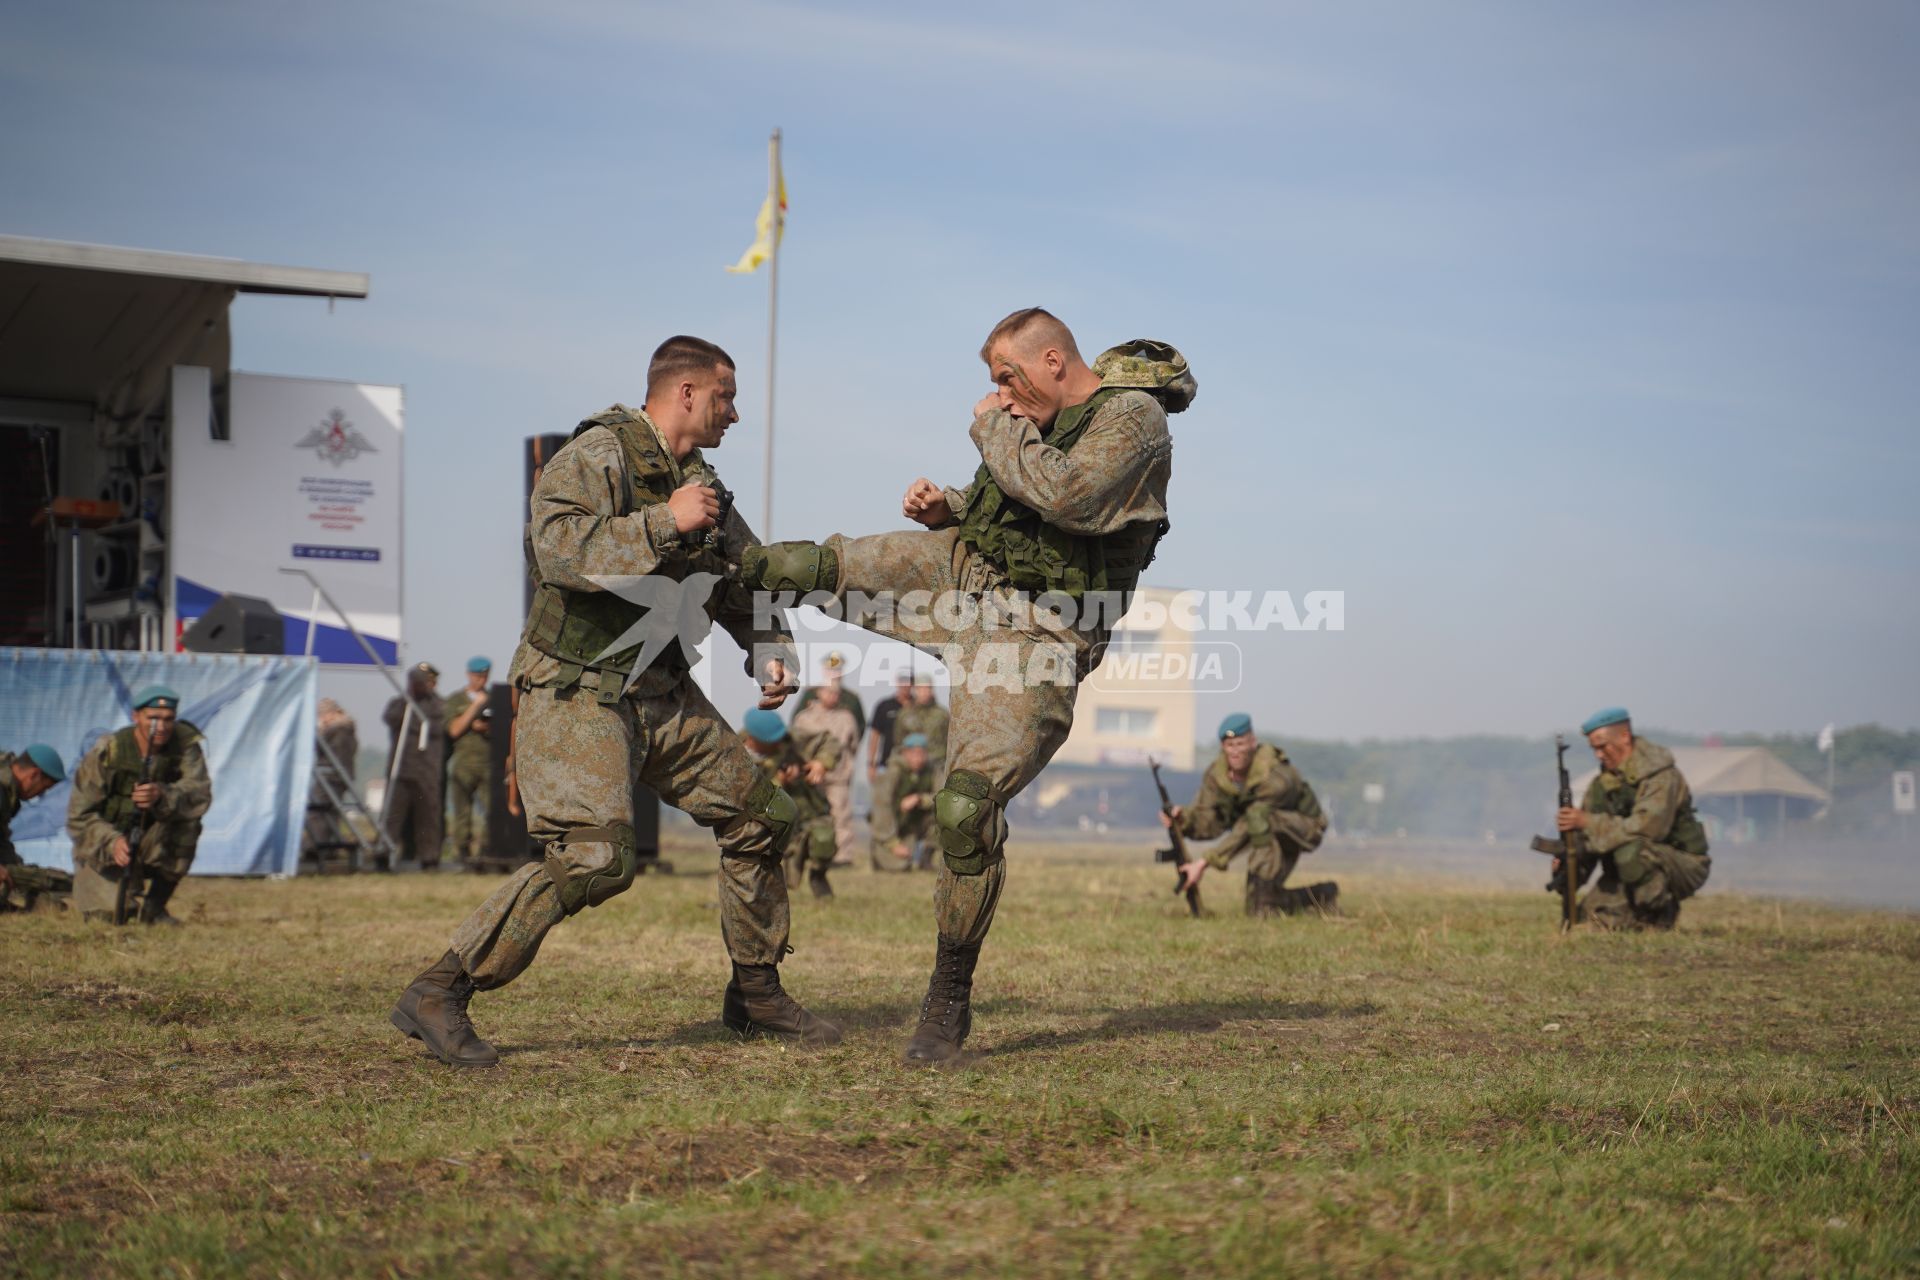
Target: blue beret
(477,664)
(914,740)
(47,760)
(1236,725)
(1601,719)
(156,695)
(764,726)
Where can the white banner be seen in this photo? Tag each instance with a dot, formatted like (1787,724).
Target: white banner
(309,479)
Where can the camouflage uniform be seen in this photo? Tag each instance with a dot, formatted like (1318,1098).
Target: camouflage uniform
(100,810)
(469,769)
(1645,838)
(932,721)
(413,810)
(813,842)
(893,824)
(584,735)
(43,879)
(843,725)
(1013,707)
(1273,816)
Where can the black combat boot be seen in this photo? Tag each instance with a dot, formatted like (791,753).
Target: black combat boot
(434,1011)
(946,1015)
(817,881)
(756,1003)
(153,907)
(1264,896)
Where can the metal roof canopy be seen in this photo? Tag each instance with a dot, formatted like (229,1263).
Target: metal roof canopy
(90,331)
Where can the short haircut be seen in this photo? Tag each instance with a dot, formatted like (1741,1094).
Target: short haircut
(1028,328)
(679,356)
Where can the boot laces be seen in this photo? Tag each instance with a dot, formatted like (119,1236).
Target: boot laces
(458,994)
(949,988)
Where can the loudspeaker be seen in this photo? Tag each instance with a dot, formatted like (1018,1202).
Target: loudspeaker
(237,624)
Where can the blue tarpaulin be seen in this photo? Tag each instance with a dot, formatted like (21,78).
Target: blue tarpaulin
(257,714)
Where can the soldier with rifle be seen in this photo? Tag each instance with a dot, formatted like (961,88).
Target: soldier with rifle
(134,816)
(1253,795)
(1636,824)
(1177,854)
(23,777)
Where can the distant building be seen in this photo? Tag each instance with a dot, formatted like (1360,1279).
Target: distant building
(1140,702)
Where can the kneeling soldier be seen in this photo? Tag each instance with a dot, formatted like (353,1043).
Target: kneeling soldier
(24,777)
(1641,831)
(138,797)
(1253,795)
(903,827)
(799,768)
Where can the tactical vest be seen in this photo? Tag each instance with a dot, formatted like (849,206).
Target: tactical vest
(577,627)
(124,765)
(1040,557)
(1688,835)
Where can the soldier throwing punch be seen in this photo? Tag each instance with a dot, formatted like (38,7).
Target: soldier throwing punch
(622,513)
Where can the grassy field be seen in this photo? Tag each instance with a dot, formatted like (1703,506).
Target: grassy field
(1436,1083)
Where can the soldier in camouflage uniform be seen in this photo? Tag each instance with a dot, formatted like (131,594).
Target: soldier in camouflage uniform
(629,545)
(26,776)
(903,809)
(108,796)
(1253,795)
(926,717)
(835,711)
(799,764)
(1065,509)
(470,763)
(1641,831)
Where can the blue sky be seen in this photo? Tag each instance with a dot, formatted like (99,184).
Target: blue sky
(1573,343)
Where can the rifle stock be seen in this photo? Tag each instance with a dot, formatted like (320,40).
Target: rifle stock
(1570,850)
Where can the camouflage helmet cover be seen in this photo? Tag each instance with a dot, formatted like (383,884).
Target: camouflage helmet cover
(1149,366)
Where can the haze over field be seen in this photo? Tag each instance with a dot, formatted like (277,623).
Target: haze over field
(1573,345)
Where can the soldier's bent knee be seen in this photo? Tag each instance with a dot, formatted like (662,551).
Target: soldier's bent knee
(588,865)
(967,818)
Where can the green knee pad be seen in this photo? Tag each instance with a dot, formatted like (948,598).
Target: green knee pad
(967,817)
(581,890)
(767,803)
(1259,821)
(1632,862)
(799,567)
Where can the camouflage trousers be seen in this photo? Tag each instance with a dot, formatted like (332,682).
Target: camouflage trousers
(1641,886)
(840,805)
(578,759)
(1011,698)
(166,852)
(467,792)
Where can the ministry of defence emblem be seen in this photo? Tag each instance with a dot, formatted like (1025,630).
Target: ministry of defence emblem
(335,440)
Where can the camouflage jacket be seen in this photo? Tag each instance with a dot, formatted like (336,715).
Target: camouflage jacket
(848,699)
(9,806)
(473,746)
(795,752)
(101,806)
(1246,812)
(1646,799)
(932,720)
(891,821)
(839,724)
(593,516)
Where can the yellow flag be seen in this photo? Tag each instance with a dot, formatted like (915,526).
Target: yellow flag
(772,222)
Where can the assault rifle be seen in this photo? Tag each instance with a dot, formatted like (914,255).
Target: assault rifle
(29,882)
(1177,855)
(128,897)
(1570,851)
(716,538)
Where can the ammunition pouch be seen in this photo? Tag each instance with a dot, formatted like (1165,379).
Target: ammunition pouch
(971,828)
(581,887)
(820,841)
(799,567)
